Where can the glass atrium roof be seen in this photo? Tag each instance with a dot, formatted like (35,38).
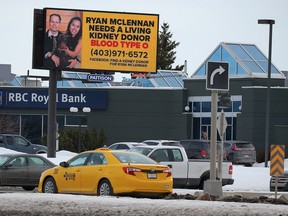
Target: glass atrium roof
(75,79)
(163,78)
(245,60)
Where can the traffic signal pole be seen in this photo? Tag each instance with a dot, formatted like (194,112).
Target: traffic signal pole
(217,79)
(213,186)
(213,139)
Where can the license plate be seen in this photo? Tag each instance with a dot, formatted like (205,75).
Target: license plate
(246,156)
(151,175)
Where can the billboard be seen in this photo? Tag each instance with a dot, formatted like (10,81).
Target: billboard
(96,41)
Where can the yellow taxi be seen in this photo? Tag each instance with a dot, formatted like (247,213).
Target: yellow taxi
(108,172)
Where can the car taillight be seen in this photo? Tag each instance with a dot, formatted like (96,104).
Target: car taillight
(203,153)
(235,148)
(168,171)
(230,169)
(131,170)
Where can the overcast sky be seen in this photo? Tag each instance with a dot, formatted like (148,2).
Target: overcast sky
(199,25)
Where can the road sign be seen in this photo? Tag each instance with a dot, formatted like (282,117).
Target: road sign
(277,160)
(221,124)
(100,78)
(217,76)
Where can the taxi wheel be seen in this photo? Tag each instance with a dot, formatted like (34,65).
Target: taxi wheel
(49,186)
(105,188)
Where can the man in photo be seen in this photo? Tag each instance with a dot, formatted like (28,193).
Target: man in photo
(51,60)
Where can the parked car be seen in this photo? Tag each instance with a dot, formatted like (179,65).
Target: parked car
(186,173)
(282,183)
(161,142)
(240,152)
(199,149)
(19,143)
(196,149)
(125,145)
(108,172)
(22,170)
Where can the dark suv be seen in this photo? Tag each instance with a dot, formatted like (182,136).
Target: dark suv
(199,149)
(240,152)
(18,143)
(196,149)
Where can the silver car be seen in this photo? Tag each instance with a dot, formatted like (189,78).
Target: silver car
(22,170)
(125,145)
(162,143)
(240,152)
(282,183)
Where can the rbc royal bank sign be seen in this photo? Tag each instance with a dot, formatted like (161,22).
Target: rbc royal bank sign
(38,98)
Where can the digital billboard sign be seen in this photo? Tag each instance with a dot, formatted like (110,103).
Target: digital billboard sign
(97,41)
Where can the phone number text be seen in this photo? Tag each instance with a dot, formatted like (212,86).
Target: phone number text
(118,53)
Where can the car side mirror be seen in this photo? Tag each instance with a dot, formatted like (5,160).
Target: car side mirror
(63,164)
(28,143)
(6,166)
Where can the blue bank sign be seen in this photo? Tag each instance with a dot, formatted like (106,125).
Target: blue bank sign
(38,98)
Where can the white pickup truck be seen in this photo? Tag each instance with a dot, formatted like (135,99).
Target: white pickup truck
(187,173)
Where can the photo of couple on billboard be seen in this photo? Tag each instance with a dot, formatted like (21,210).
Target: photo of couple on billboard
(62,39)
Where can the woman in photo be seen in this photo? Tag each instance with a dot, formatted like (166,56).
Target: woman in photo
(72,44)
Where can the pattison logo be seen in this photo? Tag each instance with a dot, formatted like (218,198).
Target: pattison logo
(1,97)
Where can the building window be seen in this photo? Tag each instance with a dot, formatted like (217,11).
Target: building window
(206,106)
(236,106)
(196,128)
(75,121)
(196,106)
(201,121)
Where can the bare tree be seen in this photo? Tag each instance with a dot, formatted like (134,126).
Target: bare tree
(9,124)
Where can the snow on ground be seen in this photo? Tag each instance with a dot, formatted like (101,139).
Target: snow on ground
(246,179)
(57,204)
(60,156)
(250,179)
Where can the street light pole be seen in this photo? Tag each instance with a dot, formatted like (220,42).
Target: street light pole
(75,110)
(79,134)
(84,110)
(270,23)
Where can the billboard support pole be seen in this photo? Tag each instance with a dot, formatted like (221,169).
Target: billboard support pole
(51,136)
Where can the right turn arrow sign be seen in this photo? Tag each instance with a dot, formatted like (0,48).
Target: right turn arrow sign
(217,76)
